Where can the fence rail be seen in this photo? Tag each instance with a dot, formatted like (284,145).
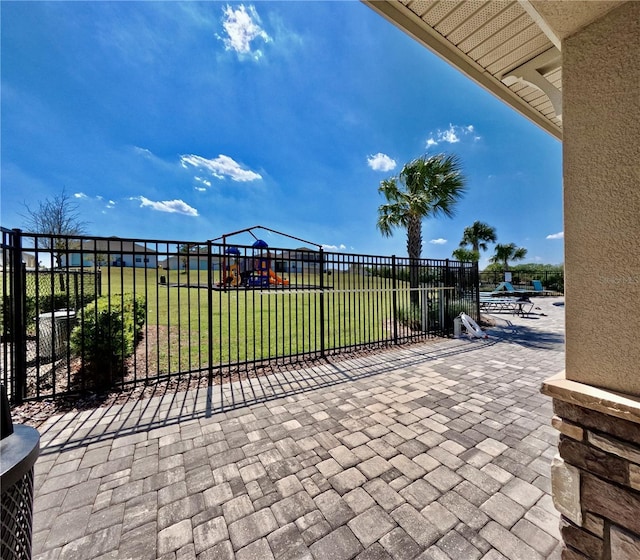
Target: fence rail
(83,313)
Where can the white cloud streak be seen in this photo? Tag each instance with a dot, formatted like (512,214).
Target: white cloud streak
(242,27)
(80,195)
(452,135)
(203,181)
(221,167)
(170,206)
(342,247)
(439,241)
(381,162)
(559,235)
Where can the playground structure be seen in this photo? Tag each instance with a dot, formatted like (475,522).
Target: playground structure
(260,274)
(231,275)
(253,271)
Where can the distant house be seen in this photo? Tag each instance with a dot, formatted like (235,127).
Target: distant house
(110,252)
(196,259)
(298,260)
(28,260)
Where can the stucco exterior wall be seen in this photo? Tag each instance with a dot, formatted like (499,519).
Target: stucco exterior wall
(601,121)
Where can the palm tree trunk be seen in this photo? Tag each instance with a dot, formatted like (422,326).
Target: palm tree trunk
(414,249)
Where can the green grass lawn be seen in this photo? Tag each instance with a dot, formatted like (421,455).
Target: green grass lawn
(248,325)
(188,326)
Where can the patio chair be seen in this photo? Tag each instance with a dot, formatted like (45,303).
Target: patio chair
(504,288)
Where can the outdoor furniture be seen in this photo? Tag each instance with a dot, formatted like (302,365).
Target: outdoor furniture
(507,289)
(538,289)
(519,306)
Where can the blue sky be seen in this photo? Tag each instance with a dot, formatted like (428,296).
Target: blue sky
(184,121)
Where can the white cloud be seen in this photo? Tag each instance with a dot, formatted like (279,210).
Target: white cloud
(80,195)
(342,247)
(452,135)
(381,162)
(449,136)
(438,241)
(241,27)
(171,206)
(559,235)
(142,151)
(111,204)
(203,181)
(221,167)
(200,189)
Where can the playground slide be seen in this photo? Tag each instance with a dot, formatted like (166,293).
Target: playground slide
(275,279)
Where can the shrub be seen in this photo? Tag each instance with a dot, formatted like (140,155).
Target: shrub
(105,335)
(410,317)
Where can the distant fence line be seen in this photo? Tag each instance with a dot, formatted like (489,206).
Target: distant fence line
(111,312)
(552,280)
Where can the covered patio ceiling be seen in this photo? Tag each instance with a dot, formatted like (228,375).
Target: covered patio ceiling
(512,48)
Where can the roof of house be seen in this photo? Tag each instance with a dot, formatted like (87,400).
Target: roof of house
(115,245)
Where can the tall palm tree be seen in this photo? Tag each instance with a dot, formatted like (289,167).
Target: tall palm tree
(425,187)
(505,253)
(478,235)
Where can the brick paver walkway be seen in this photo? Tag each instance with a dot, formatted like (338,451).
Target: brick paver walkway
(431,451)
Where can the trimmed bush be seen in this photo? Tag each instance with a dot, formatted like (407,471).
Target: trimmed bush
(410,316)
(105,335)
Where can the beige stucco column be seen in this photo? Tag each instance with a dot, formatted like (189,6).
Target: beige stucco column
(596,478)
(601,122)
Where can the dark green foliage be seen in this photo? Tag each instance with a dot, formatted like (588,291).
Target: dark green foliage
(410,317)
(105,335)
(425,276)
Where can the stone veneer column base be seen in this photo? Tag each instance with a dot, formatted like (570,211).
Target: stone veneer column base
(595,477)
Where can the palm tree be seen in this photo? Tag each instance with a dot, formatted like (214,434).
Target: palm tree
(426,187)
(478,235)
(505,253)
(466,255)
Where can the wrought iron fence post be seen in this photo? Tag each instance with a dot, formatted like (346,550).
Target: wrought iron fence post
(476,285)
(447,297)
(210,310)
(99,283)
(19,325)
(322,329)
(394,299)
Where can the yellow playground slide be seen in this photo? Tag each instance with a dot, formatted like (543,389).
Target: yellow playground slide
(275,279)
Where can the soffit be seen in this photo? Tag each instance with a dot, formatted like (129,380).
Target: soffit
(490,42)
(510,47)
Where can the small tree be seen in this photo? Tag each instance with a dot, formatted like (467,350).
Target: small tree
(57,216)
(101,260)
(185,250)
(466,255)
(477,236)
(505,253)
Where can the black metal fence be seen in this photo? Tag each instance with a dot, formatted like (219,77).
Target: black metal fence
(93,312)
(552,280)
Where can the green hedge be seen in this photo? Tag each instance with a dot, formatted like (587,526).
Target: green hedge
(105,335)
